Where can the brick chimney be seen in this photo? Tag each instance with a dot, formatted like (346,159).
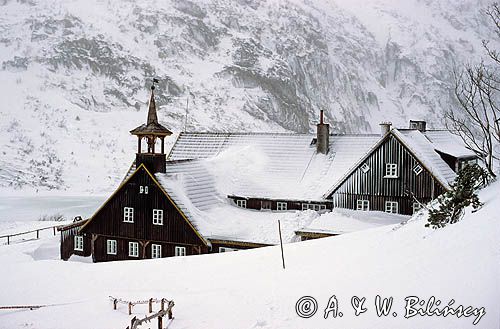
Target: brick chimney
(385,127)
(322,135)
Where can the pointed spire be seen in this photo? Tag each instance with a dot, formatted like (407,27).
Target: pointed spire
(152,117)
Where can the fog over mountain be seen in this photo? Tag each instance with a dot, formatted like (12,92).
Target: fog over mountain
(74,75)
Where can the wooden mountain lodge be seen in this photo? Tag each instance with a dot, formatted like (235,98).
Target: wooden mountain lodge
(219,192)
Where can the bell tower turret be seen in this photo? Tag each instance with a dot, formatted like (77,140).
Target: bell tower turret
(151,131)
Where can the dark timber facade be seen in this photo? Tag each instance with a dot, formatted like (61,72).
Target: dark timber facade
(370,187)
(168,231)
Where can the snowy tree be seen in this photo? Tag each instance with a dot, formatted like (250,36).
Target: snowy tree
(452,204)
(477,119)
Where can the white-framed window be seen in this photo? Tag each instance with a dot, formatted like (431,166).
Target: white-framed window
(128,214)
(391,170)
(363,205)
(111,247)
(143,189)
(418,169)
(313,206)
(241,203)
(78,243)
(281,206)
(265,205)
(133,249)
(391,207)
(226,249)
(416,207)
(146,189)
(156,250)
(180,251)
(365,168)
(157,216)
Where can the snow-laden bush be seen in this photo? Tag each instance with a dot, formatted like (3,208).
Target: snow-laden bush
(451,205)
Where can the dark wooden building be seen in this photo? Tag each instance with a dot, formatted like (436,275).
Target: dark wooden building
(184,204)
(390,178)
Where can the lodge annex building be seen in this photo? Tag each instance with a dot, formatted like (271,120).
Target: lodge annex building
(219,192)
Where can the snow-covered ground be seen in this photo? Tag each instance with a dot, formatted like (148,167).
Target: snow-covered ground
(249,289)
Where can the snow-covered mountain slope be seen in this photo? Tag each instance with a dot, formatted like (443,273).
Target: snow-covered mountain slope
(73,74)
(249,289)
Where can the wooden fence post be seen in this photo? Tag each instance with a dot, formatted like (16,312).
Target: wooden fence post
(54,230)
(132,322)
(160,322)
(151,305)
(163,304)
(129,308)
(114,303)
(170,317)
(8,239)
(37,234)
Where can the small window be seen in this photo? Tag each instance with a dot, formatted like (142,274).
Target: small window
(226,249)
(281,206)
(313,206)
(363,205)
(417,169)
(241,203)
(141,189)
(133,249)
(416,207)
(391,207)
(391,170)
(78,243)
(156,251)
(265,205)
(365,168)
(180,251)
(146,189)
(157,217)
(128,215)
(111,247)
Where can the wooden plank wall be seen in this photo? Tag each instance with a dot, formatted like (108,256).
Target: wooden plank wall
(376,188)
(108,221)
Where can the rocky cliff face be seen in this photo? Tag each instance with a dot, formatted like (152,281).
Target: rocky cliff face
(74,74)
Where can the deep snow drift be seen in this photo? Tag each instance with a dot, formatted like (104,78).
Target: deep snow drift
(249,289)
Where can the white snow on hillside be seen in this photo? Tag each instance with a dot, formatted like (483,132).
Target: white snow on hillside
(249,289)
(74,74)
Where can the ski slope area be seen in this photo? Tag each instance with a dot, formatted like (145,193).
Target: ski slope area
(249,289)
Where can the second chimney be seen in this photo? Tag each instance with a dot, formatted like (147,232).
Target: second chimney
(385,127)
(322,135)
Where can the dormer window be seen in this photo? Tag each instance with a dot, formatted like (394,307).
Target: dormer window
(365,168)
(391,170)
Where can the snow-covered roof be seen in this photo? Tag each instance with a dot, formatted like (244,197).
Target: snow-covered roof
(340,221)
(424,150)
(448,143)
(195,191)
(276,166)
(204,168)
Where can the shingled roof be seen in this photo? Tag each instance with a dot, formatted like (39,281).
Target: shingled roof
(151,127)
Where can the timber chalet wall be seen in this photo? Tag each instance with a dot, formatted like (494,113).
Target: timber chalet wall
(376,188)
(108,223)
